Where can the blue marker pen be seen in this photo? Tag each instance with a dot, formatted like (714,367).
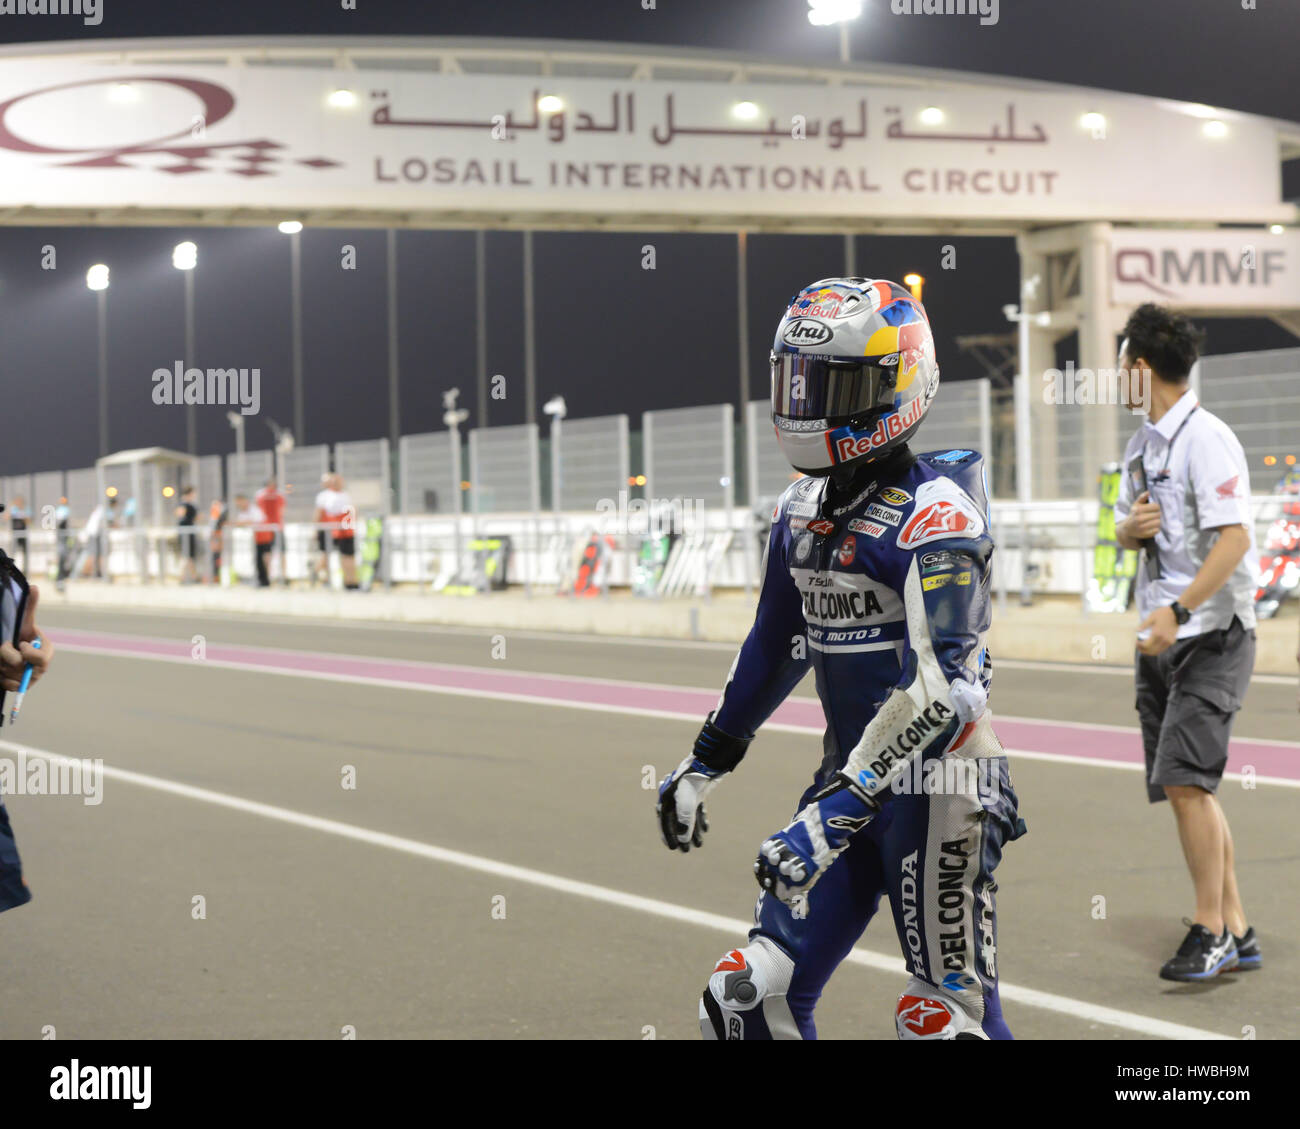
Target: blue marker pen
(22,688)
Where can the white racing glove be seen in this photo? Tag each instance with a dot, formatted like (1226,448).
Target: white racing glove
(682,818)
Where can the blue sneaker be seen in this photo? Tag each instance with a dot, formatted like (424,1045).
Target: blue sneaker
(1202,955)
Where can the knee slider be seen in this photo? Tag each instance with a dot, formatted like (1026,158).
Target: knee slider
(927,1012)
(745,997)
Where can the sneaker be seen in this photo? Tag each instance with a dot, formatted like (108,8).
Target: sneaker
(1249,954)
(1202,955)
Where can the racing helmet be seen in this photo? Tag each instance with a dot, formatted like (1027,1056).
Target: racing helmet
(853,373)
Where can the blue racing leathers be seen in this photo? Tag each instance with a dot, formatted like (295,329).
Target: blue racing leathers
(881,586)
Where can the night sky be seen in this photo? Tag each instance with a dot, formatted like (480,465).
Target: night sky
(610,336)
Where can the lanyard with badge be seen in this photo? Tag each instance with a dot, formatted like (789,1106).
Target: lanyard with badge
(1137,468)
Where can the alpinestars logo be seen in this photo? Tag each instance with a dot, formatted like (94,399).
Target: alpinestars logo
(943,519)
(924,1017)
(943,509)
(988,944)
(734,961)
(849,823)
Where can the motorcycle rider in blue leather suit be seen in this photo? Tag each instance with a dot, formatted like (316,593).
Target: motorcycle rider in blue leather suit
(876,576)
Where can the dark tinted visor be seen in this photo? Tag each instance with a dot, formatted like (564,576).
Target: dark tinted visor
(806,386)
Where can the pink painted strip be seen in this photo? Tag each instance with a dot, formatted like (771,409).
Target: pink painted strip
(1050,737)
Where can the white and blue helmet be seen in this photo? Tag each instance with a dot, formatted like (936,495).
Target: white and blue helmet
(853,373)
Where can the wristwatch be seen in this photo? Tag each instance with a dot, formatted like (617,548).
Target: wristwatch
(1181,614)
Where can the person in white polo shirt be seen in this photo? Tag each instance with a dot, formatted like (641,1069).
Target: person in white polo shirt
(1184,501)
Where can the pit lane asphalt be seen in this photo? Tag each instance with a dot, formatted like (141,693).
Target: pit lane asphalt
(307,932)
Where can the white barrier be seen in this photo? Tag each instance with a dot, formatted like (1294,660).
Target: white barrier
(1041,548)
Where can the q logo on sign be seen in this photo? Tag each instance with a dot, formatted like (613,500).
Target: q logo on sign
(215,104)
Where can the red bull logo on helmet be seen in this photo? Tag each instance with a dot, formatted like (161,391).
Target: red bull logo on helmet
(847,444)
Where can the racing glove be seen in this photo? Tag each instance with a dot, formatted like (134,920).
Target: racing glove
(903,730)
(682,818)
(791,861)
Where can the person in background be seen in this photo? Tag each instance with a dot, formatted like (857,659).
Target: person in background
(250,514)
(342,514)
(186,515)
(323,500)
(95,534)
(1184,500)
(67,546)
(13,662)
(271,500)
(18,519)
(216,536)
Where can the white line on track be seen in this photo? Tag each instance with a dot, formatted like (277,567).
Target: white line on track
(600,707)
(1107,668)
(1030,997)
(1132,766)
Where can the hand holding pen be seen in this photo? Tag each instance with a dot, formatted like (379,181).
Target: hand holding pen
(23,665)
(23,685)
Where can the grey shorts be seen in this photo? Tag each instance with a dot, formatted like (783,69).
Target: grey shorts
(1186,700)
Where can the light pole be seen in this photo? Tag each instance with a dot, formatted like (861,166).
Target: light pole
(480,308)
(1024,450)
(97,280)
(557,409)
(530,332)
(825,13)
(236,421)
(394,358)
(453,417)
(293,229)
(185,257)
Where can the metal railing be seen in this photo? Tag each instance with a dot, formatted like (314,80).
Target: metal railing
(1042,548)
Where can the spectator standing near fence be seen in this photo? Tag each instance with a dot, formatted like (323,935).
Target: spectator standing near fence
(67,548)
(271,500)
(18,520)
(217,517)
(102,518)
(1184,500)
(322,570)
(186,515)
(342,514)
(250,514)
